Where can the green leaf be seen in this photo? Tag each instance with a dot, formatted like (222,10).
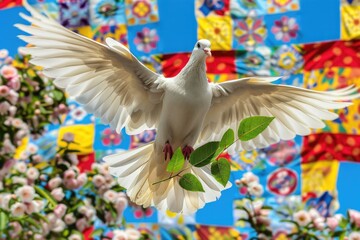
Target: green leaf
(203,155)
(251,127)
(97,233)
(39,216)
(57,95)
(227,139)
(220,169)
(44,193)
(4,220)
(191,183)
(33,222)
(177,161)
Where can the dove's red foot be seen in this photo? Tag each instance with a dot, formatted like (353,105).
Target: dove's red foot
(187,150)
(168,151)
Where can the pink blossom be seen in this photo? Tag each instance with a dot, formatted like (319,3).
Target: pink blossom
(82,179)
(68,137)
(132,234)
(354,217)
(4,53)
(59,226)
(75,237)
(12,97)
(17,122)
(71,184)
(54,182)
(8,72)
(60,210)
(12,110)
(89,213)
(98,180)
(25,193)
(120,204)
(81,224)
(32,173)
(4,200)
(14,83)
(4,107)
(58,194)
(110,196)
(62,108)
(332,223)
(69,218)
(302,217)
(8,147)
(248,178)
(15,229)
(354,236)
(69,174)
(319,223)
(45,228)
(255,189)
(17,209)
(4,91)
(32,207)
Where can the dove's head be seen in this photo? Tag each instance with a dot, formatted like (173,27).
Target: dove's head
(202,48)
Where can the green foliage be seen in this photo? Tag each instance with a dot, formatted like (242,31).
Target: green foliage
(227,139)
(45,194)
(190,182)
(177,161)
(203,155)
(251,127)
(220,169)
(209,153)
(3,221)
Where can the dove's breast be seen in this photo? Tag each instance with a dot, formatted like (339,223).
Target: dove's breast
(182,115)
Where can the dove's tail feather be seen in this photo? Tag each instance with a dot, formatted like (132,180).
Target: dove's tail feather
(141,169)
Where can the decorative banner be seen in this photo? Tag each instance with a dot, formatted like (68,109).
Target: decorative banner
(332,54)
(282,182)
(74,13)
(281,6)
(107,12)
(100,33)
(221,62)
(207,232)
(254,63)
(9,3)
(285,29)
(319,177)
(242,8)
(83,137)
(206,8)
(328,146)
(218,30)
(248,33)
(350,22)
(141,11)
(85,161)
(287,60)
(330,79)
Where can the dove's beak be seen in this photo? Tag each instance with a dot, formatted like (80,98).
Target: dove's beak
(207,51)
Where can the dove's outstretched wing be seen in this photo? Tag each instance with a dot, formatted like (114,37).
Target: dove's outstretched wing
(296,110)
(107,79)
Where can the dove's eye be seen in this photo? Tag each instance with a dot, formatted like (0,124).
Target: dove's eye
(198,45)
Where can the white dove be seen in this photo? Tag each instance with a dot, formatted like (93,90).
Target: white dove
(186,110)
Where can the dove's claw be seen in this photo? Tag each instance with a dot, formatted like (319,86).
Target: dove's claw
(187,150)
(168,151)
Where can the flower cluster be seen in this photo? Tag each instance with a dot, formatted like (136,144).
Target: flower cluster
(249,184)
(54,199)
(48,198)
(28,101)
(304,223)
